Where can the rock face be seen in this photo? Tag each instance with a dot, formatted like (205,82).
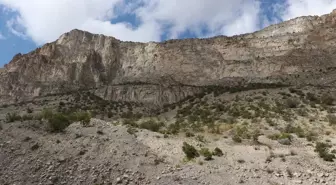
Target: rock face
(300,51)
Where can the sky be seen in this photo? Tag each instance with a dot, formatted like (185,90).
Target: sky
(28,24)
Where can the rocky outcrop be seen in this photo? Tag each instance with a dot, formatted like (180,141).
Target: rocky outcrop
(296,52)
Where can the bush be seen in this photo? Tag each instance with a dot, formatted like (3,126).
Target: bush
(109,114)
(292,103)
(200,138)
(311,136)
(323,150)
(27,117)
(29,110)
(311,97)
(189,134)
(255,135)
(236,139)
(174,128)
(84,118)
(189,151)
(58,122)
(327,99)
(47,114)
(151,125)
(217,152)
(130,122)
(206,153)
(331,119)
(11,117)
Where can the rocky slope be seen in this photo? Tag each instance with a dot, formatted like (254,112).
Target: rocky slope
(296,52)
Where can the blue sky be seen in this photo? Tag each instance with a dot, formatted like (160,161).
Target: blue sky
(25,25)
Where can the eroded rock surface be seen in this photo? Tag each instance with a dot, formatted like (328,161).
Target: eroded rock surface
(298,51)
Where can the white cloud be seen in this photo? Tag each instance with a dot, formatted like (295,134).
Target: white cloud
(2,37)
(296,8)
(45,20)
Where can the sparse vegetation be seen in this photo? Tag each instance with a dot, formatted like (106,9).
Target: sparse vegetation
(323,150)
(205,152)
(11,117)
(217,152)
(58,122)
(190,151)
(331,119)
(151,125)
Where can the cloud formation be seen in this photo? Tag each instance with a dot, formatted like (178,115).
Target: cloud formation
(296,8)
(45,20)
(2,37)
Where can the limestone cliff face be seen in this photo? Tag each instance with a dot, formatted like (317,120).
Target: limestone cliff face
(297,52)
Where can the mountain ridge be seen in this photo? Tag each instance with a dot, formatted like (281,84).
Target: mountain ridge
(296,52)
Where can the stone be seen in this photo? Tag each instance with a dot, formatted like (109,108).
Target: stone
(119,180)
(298,181)
(61,159)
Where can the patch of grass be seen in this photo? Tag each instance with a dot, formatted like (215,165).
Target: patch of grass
(190,151)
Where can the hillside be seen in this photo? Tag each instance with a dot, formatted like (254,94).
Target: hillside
(258,108)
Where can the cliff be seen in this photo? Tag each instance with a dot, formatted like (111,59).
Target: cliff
(300,51)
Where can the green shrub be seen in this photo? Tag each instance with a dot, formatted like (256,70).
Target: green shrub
(58,122)
(205,152)
(130,122)
(11,117)
(323,150)
(292,103)
(84,118)
(151,125)
(47,114)
(327,99)
(174,128)
(311,136)
(217,152)
(190,151)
